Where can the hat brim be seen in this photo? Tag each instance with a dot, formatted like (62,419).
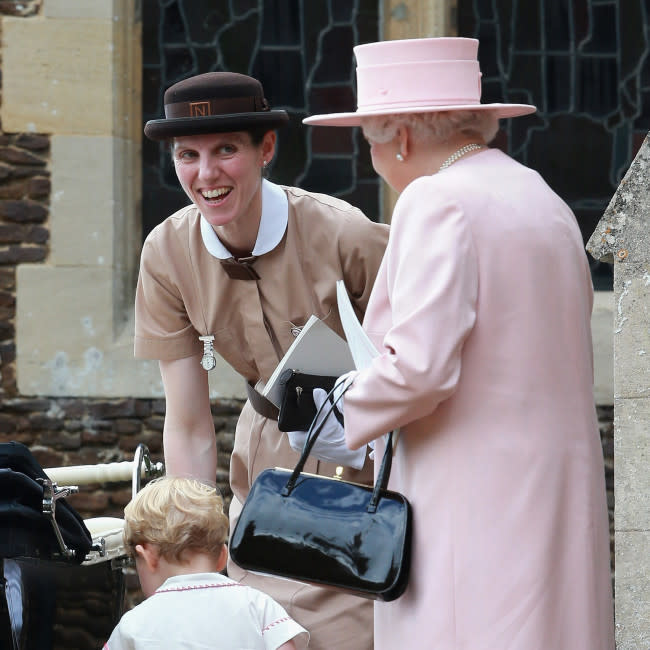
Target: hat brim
(354,119)
(165,129)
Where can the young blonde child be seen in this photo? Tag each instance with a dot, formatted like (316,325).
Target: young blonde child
(176,529)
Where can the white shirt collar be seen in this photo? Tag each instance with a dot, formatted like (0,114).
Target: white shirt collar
(273,224)
(186,580)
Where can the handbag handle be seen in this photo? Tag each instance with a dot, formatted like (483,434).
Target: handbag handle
(384,469)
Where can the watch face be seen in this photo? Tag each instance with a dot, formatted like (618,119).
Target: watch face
(208,362)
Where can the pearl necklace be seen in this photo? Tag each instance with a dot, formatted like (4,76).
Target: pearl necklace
(459,153)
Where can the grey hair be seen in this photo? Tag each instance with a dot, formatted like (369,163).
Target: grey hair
(432,127)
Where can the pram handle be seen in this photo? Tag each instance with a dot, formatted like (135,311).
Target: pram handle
(109,472)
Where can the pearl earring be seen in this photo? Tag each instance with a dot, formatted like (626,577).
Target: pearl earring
(399,157)
(265,163)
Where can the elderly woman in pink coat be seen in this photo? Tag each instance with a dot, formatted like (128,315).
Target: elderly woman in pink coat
(481,314)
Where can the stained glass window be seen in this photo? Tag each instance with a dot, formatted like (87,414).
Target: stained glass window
(584,64)
(301,51)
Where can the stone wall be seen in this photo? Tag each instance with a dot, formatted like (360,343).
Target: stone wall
(621,238)
(63,432)
(24,196)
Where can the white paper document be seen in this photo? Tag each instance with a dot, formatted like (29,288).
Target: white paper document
(361,347)
(317,350)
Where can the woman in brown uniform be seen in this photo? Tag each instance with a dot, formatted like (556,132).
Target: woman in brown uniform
(245,265)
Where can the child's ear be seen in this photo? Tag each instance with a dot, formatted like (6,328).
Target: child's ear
(223,558)
(149,554)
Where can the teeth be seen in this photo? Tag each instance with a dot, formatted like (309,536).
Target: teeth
(215,194)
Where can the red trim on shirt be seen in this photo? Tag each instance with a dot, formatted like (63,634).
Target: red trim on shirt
(280,620)
(192,587)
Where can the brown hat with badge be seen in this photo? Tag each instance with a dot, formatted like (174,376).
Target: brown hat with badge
(214,102)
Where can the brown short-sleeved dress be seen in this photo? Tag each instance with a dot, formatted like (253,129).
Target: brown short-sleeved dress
(184,292)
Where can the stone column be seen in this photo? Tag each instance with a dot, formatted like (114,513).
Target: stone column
(622,237)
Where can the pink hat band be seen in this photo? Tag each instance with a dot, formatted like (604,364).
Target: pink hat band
(420,83)
(417,75)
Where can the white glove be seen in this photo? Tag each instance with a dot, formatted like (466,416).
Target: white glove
(340,386)
(330,444)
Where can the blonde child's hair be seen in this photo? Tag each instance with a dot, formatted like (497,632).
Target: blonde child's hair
(178,515)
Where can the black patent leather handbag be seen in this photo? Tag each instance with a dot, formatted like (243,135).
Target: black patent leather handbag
(326,531)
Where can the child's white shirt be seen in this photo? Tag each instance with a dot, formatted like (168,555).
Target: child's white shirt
(206,610)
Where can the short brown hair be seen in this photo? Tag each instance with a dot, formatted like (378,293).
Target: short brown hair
(177,515)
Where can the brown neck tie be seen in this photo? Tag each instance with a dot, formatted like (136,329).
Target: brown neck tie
(240,268)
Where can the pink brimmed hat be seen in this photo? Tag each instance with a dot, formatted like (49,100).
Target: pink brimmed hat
(419,75)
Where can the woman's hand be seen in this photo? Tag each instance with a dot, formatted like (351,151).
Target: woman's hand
(330,444)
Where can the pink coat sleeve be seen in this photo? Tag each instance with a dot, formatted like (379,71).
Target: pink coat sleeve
(424,306)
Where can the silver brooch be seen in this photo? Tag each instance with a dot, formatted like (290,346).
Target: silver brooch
(208,360)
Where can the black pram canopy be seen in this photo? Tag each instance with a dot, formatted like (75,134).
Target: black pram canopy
(25,531)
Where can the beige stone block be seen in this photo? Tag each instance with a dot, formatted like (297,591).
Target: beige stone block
(83,200)
(602,320)
(632,330)
(66,343)
(63,323)
(632,464)
(57,76)
(76,9)
(632,595)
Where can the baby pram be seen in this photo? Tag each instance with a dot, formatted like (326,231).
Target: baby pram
(62,583)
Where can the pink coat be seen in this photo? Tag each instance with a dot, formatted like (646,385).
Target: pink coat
(482,311)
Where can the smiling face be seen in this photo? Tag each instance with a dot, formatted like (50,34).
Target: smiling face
(221,174)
